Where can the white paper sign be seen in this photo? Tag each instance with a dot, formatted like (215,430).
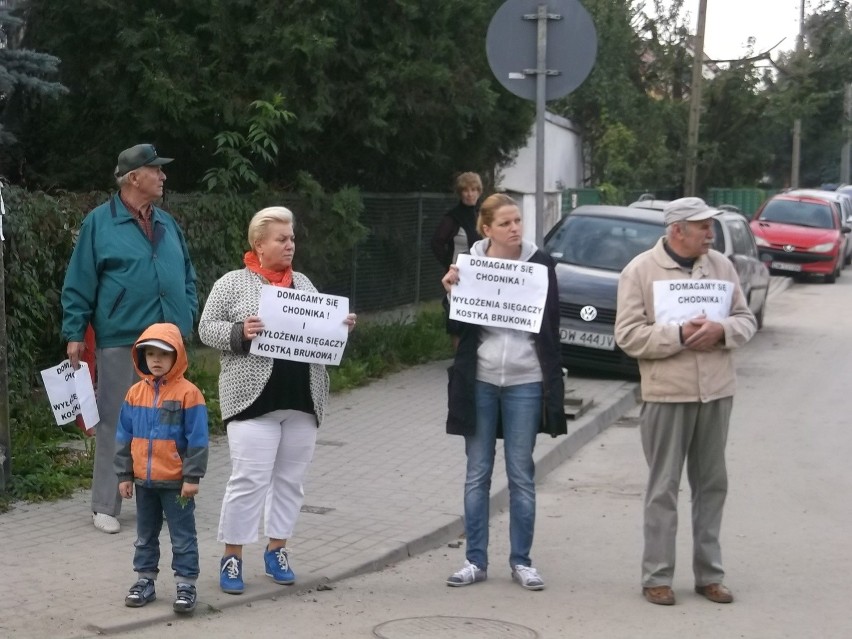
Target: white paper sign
(677,301)
(502,293)
(70,393)
(301,326)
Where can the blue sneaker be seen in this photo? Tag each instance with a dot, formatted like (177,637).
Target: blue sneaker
(278,566)
(140,593)
(231,575)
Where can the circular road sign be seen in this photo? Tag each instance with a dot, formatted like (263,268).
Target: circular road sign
(512,46)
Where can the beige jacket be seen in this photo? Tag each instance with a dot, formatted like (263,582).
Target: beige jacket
(670,372)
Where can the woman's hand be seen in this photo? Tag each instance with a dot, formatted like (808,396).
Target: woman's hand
(452,277)
(350,321)
(251,327)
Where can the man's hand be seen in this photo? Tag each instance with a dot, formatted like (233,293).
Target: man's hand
(702,334)
(75,352)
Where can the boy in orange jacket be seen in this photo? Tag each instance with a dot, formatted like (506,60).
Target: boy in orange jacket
(161,447)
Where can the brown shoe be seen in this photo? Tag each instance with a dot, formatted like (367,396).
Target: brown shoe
(660,595)
(717,593)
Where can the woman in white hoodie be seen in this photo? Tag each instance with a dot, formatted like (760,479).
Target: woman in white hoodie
(504,383)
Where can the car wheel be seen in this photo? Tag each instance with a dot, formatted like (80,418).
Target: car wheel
(759,315)
(848,260)
(830,279)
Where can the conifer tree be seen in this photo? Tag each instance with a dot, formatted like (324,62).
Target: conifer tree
(22,71)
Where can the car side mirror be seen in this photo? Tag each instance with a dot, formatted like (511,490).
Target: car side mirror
(845,229)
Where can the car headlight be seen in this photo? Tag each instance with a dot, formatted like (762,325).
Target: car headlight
(822,248)
(760,241)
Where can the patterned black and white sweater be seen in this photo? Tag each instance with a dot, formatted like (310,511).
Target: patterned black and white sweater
(235,296)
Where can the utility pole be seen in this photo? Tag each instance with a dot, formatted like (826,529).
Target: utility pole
(689,183)
(847,130)
(797,123)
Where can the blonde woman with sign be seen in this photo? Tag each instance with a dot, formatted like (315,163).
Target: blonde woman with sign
(272,407)
(505,383)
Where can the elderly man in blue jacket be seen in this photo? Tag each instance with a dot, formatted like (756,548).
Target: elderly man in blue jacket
(130,268)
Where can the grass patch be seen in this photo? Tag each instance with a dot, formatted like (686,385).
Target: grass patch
(49,462)
(376,348)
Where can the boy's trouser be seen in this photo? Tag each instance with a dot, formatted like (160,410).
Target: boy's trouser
(671,434)
(115,377)
(151,504)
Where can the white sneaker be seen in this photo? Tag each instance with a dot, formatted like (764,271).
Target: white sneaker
(469,574)
(528,577)
(106,523)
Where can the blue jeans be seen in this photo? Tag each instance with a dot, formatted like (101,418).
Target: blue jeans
(151,505)
(519,408)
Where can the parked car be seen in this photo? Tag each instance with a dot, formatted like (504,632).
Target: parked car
(734,239)
(844,201)
(593,244)
(649,203)
(800,234)
(845,188)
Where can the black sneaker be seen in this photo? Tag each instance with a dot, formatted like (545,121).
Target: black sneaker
(185,600)
(140,593)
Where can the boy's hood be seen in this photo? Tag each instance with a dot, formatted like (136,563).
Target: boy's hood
(170,334)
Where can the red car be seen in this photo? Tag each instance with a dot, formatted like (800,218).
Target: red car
(800,234)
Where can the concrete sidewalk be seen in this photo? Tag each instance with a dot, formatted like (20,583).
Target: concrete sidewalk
(386,483)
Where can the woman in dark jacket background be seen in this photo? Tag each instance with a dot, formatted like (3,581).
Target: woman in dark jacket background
(504,383)
(457,231)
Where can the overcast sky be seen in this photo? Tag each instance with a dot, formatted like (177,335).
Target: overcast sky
(731,22)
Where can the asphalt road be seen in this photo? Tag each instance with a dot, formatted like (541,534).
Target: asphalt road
(785,535)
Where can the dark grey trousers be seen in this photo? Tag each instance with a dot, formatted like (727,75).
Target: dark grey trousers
(671,434)
(115,376)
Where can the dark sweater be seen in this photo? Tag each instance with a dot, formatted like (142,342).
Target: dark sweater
(460,216)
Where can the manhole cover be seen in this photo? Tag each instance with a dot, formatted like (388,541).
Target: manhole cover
(451,628)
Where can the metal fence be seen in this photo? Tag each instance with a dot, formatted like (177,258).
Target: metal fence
(394,265)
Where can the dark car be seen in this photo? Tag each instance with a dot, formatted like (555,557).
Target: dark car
(593,244)
(801,234)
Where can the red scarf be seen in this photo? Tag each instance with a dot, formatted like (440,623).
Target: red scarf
(276,278)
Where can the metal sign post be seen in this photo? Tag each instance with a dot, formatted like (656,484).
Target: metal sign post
(540,105)
(517,53)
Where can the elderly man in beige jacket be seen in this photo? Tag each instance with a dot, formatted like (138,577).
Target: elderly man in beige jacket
(680,313)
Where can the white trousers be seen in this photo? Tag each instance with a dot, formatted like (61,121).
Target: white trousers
(270,456)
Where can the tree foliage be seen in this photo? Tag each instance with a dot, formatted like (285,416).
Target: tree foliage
(23,73)
(397,95)
(387,95)
(629,126)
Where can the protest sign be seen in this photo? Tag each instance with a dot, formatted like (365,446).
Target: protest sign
(70,393)
(501,293)
(301,326)
(678,301)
